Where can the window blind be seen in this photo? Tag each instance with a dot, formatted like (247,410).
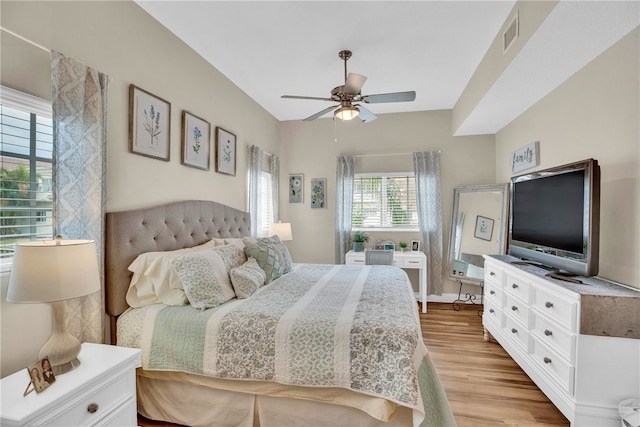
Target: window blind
(385,201)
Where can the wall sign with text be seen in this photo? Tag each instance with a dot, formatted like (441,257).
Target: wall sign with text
(525,158)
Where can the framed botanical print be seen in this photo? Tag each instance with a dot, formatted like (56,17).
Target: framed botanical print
(484,228)
(296,188)
(149,124)
(196,134)
(318,193)
(225,152)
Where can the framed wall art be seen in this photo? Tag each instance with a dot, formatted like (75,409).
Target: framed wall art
(484,228)
(225,152)
(296,186)
(196,134)
(318,193)
(149,124)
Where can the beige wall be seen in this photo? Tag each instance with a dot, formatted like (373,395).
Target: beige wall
(594,114)
(309,148)
(123,41)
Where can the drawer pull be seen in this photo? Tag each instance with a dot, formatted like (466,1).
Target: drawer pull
(491,310)
(492,292)
(547,360)
(548,304)
(492,274)
(514,331)
(548,332)
(92,408)
(514,308)
(514,286)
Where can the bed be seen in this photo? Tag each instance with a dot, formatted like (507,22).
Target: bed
(322,345)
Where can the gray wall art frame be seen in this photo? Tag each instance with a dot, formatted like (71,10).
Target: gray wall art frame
(484,228)
(318,193)
(296,188)
(149,124)
(225,152)
(196,137)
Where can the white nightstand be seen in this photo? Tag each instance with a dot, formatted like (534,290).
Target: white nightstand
(101,391)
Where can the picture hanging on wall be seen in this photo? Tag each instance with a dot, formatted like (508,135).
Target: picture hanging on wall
(318,193)
(296,186)
(196,134)
(484,228)
(225,152)
(149,124)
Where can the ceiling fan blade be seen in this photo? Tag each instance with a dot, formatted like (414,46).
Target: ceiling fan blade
(354,83)
(366,115)
(306,97)
(320,113)
(390,97)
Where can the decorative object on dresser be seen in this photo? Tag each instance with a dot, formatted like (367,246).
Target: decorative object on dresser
(403,246)
(54,271)
(359,239)
(296,188)
(101,392)
(282,230)
(415,245)
(318,193)
(580,343)
(196,135)
(149,124)
(225,152)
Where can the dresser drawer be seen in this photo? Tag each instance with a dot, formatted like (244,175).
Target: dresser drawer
(561,310)
(518,332)
(354,260)
(519,287)
(550,362)
(493,292)
(516,308)
(414,262)
(492,273)
(554,335)
(98,402)
(493,311)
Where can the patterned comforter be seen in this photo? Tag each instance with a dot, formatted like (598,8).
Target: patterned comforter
(355,327)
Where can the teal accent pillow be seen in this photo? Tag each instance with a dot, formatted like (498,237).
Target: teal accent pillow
(285,256)
(268,259)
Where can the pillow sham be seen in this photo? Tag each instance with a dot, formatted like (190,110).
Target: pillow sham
(141,290)
(247,278)
(267,258)
(285,256)
(232,254)
(204,278)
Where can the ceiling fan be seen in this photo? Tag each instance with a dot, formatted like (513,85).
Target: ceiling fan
(351,99)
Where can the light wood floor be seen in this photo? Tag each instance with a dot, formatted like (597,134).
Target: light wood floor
(485,387)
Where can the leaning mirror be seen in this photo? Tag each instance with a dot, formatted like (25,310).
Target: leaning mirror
(478,226)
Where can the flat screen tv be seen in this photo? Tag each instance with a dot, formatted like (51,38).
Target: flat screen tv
(555,218)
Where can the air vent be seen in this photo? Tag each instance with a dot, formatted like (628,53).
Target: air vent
(511,33)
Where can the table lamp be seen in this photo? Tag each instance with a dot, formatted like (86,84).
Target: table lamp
(54,271)
(282,230)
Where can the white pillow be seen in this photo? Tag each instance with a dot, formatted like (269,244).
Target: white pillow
(247,278)
(204,278)
(142,291)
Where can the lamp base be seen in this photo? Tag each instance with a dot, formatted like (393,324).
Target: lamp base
(62,348)
(66,367)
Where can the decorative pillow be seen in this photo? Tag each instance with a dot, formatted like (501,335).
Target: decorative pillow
(142,290)
(247,278)
(285,256)
(204,278)
(268,259)
(232,254)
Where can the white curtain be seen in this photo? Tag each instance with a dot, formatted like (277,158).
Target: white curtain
(275,182)
(345,170)
(79,103)
(426,166)
(255,170)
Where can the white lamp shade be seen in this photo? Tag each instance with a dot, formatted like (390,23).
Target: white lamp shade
(282,230)
(53,270)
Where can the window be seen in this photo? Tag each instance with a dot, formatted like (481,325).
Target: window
(26,184)
(386,201)
(265,204)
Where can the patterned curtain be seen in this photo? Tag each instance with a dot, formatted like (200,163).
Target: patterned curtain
(426,166)
(79,103)
(275,182)
(345,170)
(255,169)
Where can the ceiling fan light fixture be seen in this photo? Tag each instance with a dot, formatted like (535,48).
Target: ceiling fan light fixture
(347,112)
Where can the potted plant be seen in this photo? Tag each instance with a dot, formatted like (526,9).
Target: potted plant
(359,239)
(403,246)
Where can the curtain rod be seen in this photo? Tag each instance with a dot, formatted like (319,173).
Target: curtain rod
(31,42)
(385,155)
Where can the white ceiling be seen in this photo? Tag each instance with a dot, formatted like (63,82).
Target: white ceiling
(269,49)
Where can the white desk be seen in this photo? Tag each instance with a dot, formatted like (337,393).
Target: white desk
(415,260)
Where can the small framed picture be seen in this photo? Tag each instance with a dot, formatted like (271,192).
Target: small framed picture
(196,134)
(318,195)
(149,124)
(389,247)
(296,188)
(484,228)
(225,152)
(415,245)
(378,245)
(41,375)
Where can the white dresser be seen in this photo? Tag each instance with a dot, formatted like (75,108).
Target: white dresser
(100,392)
(412,260)
(541,323)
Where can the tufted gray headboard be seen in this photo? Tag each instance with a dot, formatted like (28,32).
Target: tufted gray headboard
(162,228)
